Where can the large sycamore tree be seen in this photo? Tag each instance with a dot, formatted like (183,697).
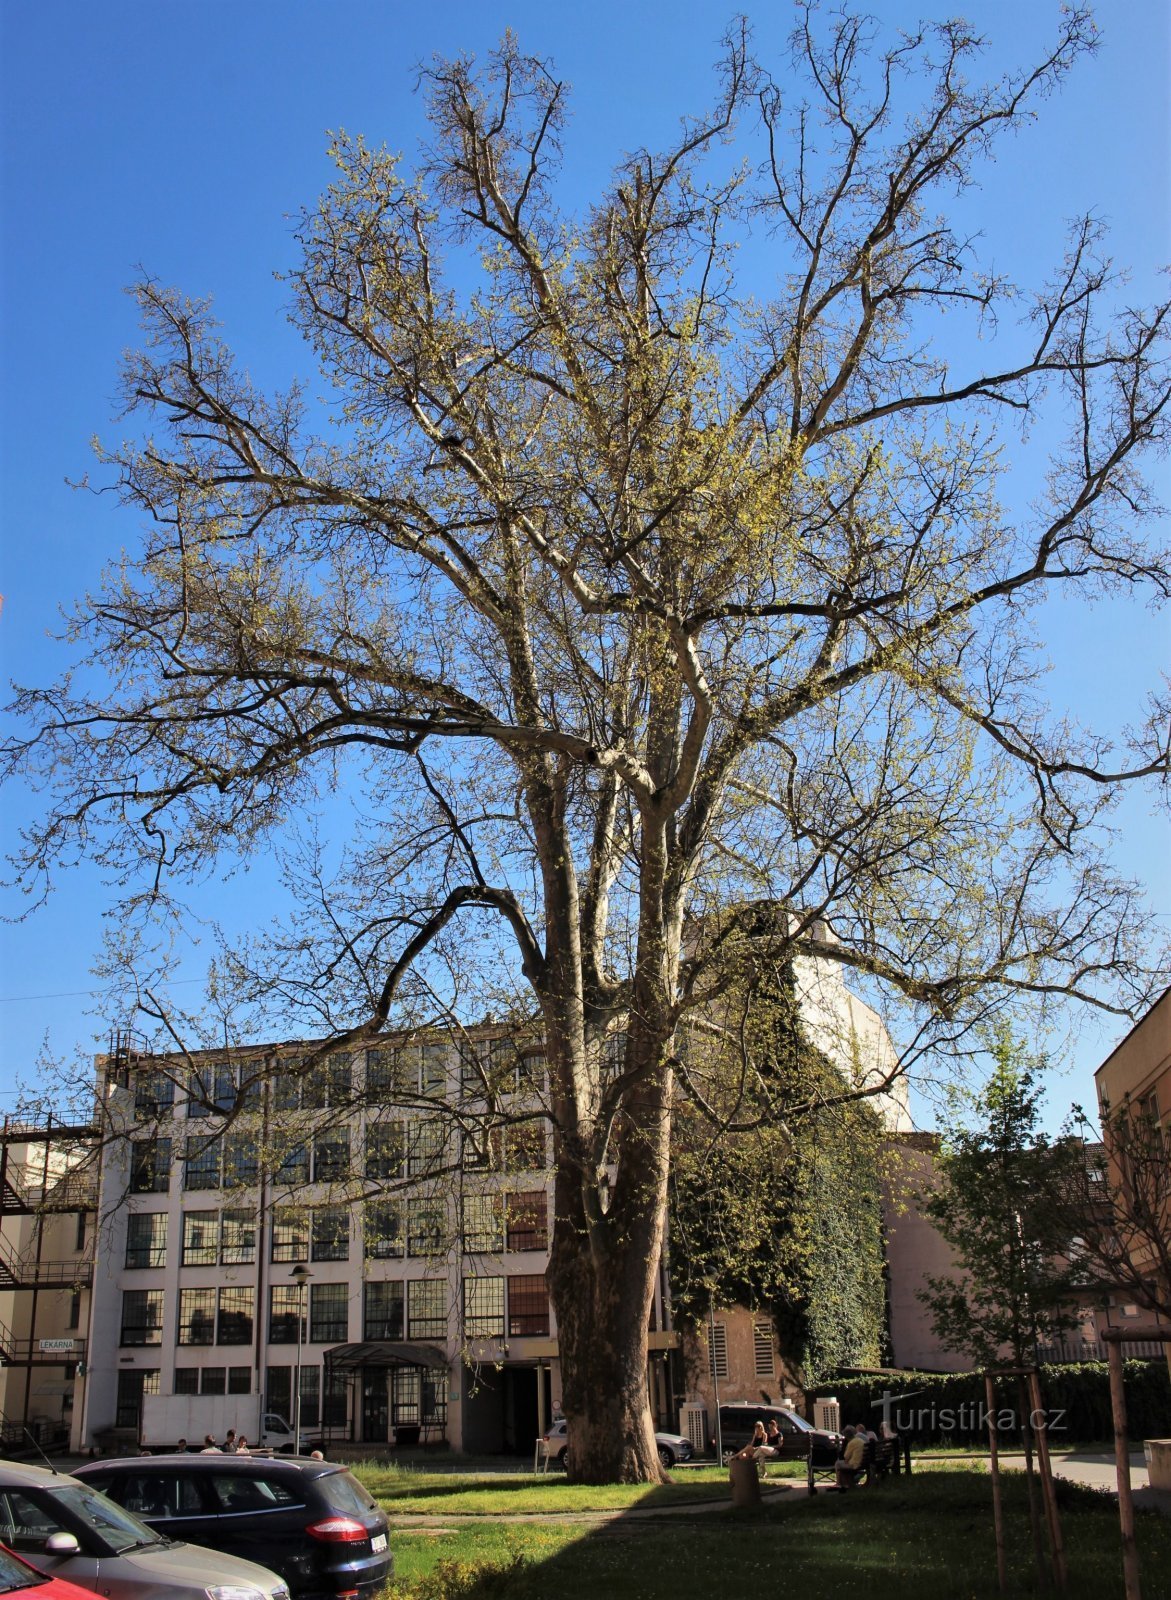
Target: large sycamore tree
(666,629)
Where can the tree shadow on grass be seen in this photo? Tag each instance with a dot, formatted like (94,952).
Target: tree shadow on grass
(931,1536)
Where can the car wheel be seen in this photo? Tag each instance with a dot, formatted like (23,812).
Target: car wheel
(666,1457)
(563,1459)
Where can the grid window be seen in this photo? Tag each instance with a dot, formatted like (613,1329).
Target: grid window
(433,1068)
(527,1217)
(196,1316)
(425,1143)
(383,1230)
(764,1361)
(383,1076)
(186,1380)
(331,1156)
(294,1167)
(239,1380)
(211,1380)
(142,1316)
(154,1095)
(200,1230)
(278,1391)
(284,1299)
(131,1388)
(483,1224)
(330,1234)
(524,1147)
(286,1087)
(211,1088)
(329,1313)
(483,1150)
(484,1308)
(150,1166)
(241,1161)
(146,1239)
(201,1166)
(474,1066)
(532,1073)
(290,1234)
(426,1221)
(234,1315)
(310,1396)
(238,1238)
(382,1315)
(718,1349)
(528,1306)
(385,1150)
(427,1308)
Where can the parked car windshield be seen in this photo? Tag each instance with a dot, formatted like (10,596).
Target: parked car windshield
(120,1529)
(15,1575)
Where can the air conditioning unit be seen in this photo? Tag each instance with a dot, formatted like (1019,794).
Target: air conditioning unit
(693,1424)
(827,1415)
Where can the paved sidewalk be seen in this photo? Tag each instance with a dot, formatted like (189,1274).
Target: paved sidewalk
(1095,1469)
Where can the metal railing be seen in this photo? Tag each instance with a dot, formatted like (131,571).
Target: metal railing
(1095,1349)
(16,1352)
(24,1272)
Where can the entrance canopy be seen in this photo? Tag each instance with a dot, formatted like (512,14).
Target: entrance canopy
(383,1353)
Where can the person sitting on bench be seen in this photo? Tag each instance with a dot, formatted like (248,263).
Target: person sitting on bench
(758,1446)
(849,1464)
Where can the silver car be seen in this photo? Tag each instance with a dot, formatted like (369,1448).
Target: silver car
(71,1530)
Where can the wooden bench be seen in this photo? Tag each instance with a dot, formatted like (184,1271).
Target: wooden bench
(883,1457)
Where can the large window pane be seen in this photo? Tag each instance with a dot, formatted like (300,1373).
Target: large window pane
(331,1156)
(150,1166)
(528,1306)
(142,1316)
(528,1220)
(238,1238)
(384,1230)
(196,1316)
(425,1146)
(426,1227)
(283,1301)
(146,1239)
(427,1308)
(483,1223)
(385,1150)
(201,1166)
(524,1147)
(200,1230)
(241,1160)
(383,1311)
(131,1388)
(484,1308)
(330,1234)
(154,1095)
(293,1168)
(329,1313)
(290,1234)
(234,1318)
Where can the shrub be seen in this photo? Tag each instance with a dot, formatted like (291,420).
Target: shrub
(948,1407)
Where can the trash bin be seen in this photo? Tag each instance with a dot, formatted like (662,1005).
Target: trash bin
(744,1481)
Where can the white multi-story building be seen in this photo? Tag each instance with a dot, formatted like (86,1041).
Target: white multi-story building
(394,1201)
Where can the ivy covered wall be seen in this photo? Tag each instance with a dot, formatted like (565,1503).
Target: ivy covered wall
(785,1216)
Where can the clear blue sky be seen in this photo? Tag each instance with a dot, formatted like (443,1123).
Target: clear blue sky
(181,136)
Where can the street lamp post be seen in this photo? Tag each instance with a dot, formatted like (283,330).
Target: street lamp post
(300,1276)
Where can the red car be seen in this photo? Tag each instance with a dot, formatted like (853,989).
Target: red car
(18,1578)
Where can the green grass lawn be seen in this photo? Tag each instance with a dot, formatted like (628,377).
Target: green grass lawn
(516,1494)
(931,1535)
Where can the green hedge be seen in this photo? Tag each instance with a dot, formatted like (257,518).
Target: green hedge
(948,1408)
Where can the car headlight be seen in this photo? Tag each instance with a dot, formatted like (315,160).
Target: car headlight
(235,1591)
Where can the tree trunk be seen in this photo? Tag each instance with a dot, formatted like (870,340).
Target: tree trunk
(601,1276)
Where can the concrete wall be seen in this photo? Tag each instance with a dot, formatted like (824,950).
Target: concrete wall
(915,1250)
